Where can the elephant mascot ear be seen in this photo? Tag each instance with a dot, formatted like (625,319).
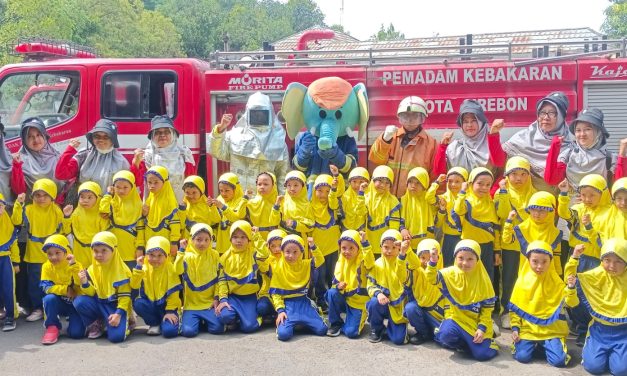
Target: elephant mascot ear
(364,112)
(292,108)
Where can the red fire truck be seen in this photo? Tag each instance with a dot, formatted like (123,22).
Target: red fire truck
(195,93)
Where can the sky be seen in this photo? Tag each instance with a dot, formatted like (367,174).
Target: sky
(418,18)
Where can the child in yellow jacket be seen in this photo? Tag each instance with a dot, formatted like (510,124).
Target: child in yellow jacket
(469,302)
(196,206)
(273,244)
(9,266)
(42,219)
(296,213)
(291,278)
(418,206)
(60,284)
(239,283)
(425,309)
(326,229)
(537,308)
(349,294)
(158,301)
(232,205)
(263,210)
(386,288)
(123,206)
(603,291)
(384,209)
(199,264)
(85,221)
(353,202)
(107,299)
(475,211)
(445,220)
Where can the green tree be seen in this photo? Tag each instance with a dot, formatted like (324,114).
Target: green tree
(615,24)
(304,14)
(388,33)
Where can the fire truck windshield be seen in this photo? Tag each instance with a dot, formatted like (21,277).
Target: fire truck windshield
(53,97)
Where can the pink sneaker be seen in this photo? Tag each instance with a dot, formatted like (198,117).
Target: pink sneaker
(95,329)
(50,336)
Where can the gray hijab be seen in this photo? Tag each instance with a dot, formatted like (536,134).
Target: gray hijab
(100,165)
(533,143)
(37,164)
(470,152)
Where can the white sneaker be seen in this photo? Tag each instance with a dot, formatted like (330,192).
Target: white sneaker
(132,322)
(22,311)
(3,313)
(505,323)
(154,330)
(496,329)
(36,315)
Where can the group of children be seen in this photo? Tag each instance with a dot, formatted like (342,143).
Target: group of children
(217,264)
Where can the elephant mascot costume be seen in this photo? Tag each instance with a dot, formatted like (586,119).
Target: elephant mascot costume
(329,108)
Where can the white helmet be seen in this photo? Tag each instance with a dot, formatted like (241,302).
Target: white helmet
(412,104)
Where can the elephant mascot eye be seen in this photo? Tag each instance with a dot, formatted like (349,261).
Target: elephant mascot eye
(338,114)
(323,114)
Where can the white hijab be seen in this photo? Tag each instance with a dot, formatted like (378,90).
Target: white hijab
(173,157)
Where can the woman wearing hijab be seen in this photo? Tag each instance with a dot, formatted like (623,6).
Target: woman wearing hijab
(164,150)
(98,162)
(534,142)
(471,150)
(35,160)
(588,154)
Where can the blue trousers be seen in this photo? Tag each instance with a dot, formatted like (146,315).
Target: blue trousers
(377,313)
(35,293)
(324,275)
(606,349)
(55,306)
(448,248)
(453,336)
(7,286)
(195,320)
(487,258)
(355,318)
(244,308)
(91,309)
(579,314)
(509,274)
(265,307)
(421,320)
(303,312)
(153,313)
(554,348)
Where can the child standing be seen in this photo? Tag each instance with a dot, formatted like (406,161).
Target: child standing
(198,264)
(349,294)
(264,303)
(384,209)
(536,308)
(60,283)
(353,202)
(451,229)
(418,206)
(42,219)
(238,283)
(475,210)
(386,288)
(514,194)
(326,231)
(124,207)
(425,309)
(616,217)
(232,205)
(196,207)
(9,266)
(85,221)
(262,211)
(291,278)
(158,301)
(603,291)
(162,218)
(107,290)
(296,214)
(470,301)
